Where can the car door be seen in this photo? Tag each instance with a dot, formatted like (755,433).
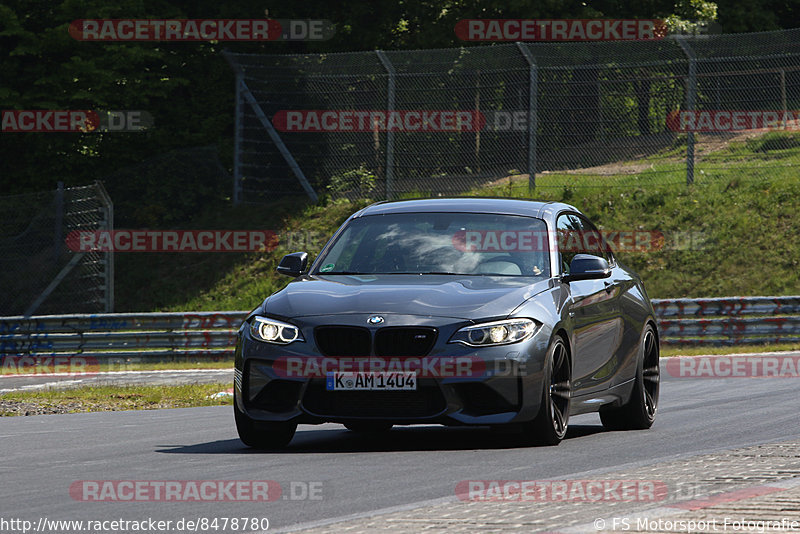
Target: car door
(593,307)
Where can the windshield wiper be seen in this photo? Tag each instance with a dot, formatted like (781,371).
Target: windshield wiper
(444,272)
(399,272)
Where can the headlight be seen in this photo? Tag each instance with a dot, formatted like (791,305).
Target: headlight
(273,331)
(495,333)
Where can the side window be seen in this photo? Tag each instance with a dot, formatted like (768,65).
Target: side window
(567,230)
(593,241)
(577,235)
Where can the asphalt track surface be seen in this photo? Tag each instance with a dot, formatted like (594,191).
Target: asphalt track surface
(357,475)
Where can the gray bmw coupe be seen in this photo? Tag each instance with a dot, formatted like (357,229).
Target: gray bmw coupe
(504,313)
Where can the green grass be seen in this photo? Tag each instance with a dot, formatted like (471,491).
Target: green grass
(749,233)
(744,204)
(109,398)
(225,281)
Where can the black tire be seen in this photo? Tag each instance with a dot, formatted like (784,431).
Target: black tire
(550,425)
(640,410)
(263,434)
(368,427)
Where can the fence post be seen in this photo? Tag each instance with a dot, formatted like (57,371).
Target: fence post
(783,97)
(533,112)
(109,225)
(58,238)
(237,141)
(237,128)
(243,93)
(691,96)
(390,103)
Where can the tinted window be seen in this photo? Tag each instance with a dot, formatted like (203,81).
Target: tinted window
(576,235)
(440,243)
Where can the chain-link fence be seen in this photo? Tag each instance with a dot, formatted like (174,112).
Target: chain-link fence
(38,271)
(551,115)
(168,189)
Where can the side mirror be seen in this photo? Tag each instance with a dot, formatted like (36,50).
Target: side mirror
(293,264)
(587,267)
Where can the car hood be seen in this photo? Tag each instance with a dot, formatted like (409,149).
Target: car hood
(463,297)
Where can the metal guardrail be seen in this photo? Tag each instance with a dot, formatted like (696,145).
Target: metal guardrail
(142,335)
(729,320)
(174,335)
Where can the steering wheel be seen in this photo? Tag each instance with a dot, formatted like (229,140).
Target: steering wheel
(507,258)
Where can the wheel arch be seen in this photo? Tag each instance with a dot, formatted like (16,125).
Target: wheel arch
(562,332)
(652,322)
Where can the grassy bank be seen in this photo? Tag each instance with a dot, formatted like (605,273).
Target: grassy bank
(741,215)
(111,398)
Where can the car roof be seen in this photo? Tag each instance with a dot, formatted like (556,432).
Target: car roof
(508,206)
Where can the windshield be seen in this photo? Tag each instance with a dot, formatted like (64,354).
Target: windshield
(473,244)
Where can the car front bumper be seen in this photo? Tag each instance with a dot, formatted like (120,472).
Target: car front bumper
(497,385)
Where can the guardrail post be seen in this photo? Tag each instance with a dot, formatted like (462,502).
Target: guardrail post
(390,103)
(533,112)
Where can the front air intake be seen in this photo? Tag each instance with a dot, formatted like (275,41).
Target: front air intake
(343,340)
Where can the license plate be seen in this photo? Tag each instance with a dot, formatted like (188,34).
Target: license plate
(372,381)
